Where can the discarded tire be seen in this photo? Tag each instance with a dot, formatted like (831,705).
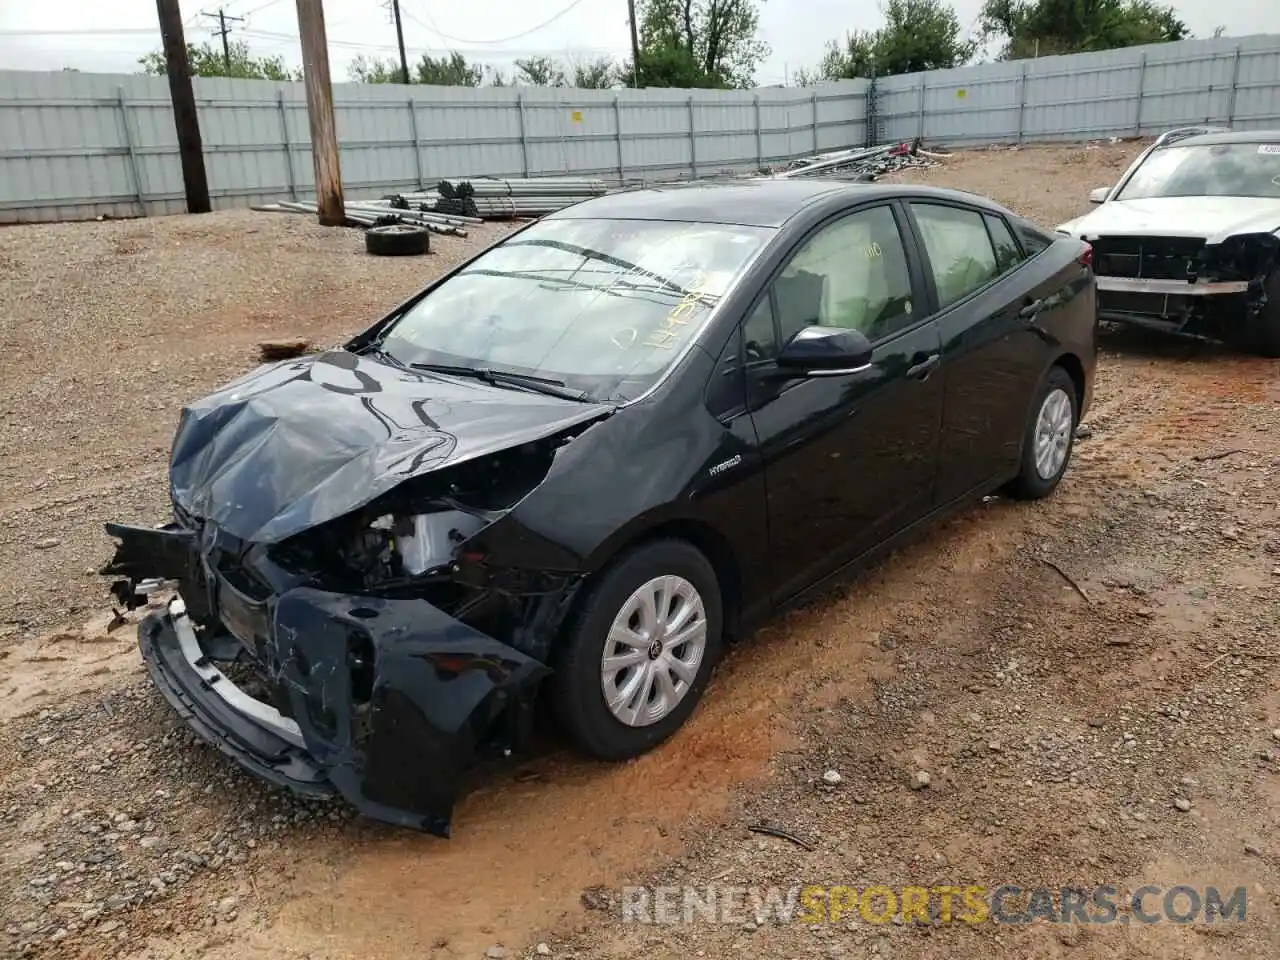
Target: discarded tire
(396,240)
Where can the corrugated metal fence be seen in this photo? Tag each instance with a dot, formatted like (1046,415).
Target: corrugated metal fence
(1135,91)
(81,145)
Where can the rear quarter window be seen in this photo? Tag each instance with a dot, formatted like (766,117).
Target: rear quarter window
(1034,240)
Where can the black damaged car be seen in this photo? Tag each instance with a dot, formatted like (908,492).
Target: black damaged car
(574,466)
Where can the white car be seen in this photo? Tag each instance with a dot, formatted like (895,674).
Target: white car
(1189,239)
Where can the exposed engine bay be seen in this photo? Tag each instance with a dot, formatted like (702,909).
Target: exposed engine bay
(1220,291)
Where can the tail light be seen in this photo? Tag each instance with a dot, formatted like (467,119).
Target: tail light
(1086,256)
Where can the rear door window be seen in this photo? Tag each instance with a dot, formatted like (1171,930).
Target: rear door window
(959,248)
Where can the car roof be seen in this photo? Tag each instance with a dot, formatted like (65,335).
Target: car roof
(1229,136)
(756,202)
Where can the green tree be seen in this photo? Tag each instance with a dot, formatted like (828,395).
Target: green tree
(598,74)
(916,35)
(373,70)
(448,71)
(206,61)
(1031,28)
(539,72)
(697,43)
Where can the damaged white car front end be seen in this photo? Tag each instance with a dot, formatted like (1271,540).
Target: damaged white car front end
(1188,240)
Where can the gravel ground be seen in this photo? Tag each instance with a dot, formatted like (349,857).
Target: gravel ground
(1089,683)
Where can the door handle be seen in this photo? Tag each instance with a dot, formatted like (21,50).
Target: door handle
(1030,309)
(921,370)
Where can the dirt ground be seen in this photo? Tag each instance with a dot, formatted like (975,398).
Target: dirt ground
(1088,682)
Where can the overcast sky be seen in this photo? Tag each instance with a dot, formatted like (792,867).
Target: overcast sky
(36,35)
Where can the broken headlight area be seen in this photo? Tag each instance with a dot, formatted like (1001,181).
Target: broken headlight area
(1247,257)
(379,652)
(417,543)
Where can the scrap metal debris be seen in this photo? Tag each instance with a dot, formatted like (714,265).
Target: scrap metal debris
(284,349)
(1220,455)
(455,205)
(864,164)
(770,831)
(1067,577)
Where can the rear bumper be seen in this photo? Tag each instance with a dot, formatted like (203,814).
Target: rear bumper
(389,703)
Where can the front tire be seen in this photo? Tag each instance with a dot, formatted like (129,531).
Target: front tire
(1049,437)
(640,652)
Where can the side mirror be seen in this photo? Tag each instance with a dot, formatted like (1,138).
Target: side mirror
(825,352)
(1099,195)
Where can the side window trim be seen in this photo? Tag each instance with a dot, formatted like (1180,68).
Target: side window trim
(939,311)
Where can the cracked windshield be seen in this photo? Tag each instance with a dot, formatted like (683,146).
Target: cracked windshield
(602,306)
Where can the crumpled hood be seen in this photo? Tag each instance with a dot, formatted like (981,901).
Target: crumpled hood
(1213,218)
(300,442)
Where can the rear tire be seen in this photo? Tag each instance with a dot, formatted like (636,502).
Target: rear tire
(1049,438)
(648,706)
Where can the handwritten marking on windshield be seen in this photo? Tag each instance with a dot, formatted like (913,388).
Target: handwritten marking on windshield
(669,330)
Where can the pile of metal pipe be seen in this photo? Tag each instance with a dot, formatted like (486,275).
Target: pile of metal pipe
(369,213)
(523,187)
(500,199)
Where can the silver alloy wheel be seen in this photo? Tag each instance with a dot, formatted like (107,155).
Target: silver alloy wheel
(1053,433)
(654,649)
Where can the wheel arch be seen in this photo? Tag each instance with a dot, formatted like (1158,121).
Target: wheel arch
(699,534)
(1074,367)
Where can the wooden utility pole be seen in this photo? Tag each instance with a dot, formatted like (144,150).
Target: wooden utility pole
(404,62)
(324,134)
(222,31)
(635,43)
(185,118)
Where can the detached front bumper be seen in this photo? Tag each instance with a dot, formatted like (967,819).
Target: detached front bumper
(389,703)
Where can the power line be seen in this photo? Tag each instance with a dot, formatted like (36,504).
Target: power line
(106,32)
(356,45)
(258,9)
(515,36)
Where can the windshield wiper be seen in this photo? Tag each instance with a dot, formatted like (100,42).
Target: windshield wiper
(375,349)
(504,378)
